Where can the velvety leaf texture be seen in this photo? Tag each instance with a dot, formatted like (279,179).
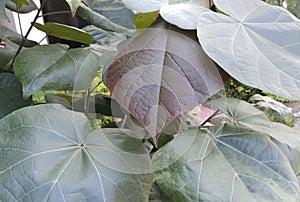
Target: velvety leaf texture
(50,67)
(11,97)
(160,74)
(224,163)
(256,43)
(48,153)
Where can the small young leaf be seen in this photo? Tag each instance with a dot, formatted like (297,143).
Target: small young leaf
(24,9)
(20,3)
(65,32)
(73,5)
(144,20)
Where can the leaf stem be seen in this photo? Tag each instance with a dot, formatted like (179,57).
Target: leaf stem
(55,13)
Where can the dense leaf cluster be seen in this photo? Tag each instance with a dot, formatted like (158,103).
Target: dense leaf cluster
(159,59)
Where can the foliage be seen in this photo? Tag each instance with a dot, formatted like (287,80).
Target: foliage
(135,144)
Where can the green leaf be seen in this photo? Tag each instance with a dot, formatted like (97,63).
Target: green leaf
(25,8)
(183,15)
(48,153)
(243,114)
(50,67)
(108,15)
(145,6)
(269,34)
(73,5)
(144,20)
(160,74)
(224,163)
(99,104)
(20,3)
(294,7)
(3,10)
(65,32)
(11,97)
(105,38)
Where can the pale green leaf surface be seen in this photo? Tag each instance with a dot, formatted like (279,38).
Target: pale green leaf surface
(183,15)
(269,34)
(224,164)
(11,97)
(145,6)
(244,114)
(48,154)
(73,5)
(49,67)
(65,32)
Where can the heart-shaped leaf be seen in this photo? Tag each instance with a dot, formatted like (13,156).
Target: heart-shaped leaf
(65,32)
(73,5)
(256,43)
(160,74)
(49,67)
(245,115)
(48,153)
(11,97)
(224,163)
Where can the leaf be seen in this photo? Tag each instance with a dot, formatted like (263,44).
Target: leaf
(49,154)
(11,97)
(160,74)
(269,34)
(20,3)
(3,10)
(73,5)
(115,11)
(99,104)
(144,20)
(108,15)
(25,8)
(224,163)
(183,15)
(294,7)
(105,38)
(145,6)
(243,114)
(49,67)
(65,32)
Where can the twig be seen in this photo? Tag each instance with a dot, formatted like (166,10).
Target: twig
(26,36)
